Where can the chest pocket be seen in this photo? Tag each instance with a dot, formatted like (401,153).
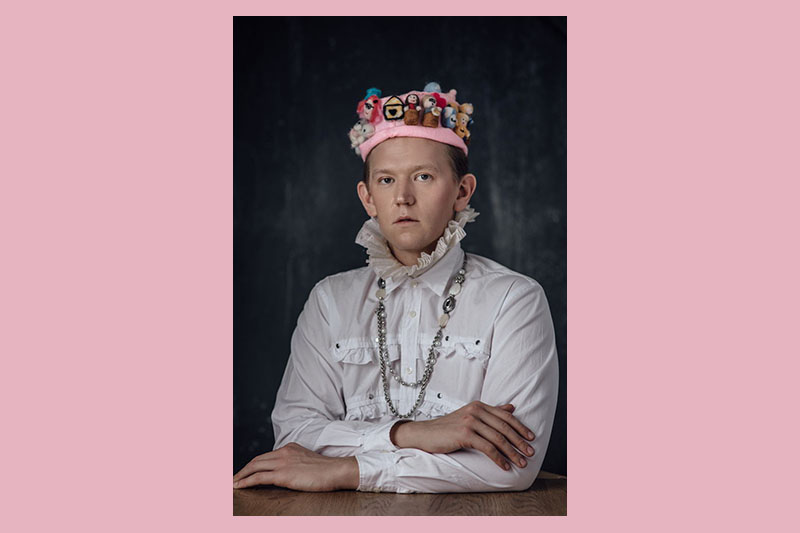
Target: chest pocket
(360,364)
(458,374)
(474,349)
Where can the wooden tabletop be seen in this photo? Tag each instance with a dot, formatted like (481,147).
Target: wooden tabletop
(547,496)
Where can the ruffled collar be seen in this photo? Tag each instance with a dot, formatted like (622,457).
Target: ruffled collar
(387,266)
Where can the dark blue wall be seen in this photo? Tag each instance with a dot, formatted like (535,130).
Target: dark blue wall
(296,214)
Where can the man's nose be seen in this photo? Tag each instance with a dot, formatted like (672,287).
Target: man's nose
(404,193)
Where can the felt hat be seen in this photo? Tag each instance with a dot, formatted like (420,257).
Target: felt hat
(428,114)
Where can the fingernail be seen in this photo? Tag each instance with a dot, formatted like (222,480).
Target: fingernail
(530,450)
(530,435)
(506,466)
(235,484)
(523,462)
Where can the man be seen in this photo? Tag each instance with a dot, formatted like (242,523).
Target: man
(430,370)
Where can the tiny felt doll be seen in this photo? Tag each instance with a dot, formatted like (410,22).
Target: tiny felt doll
(360,132)
(411,110)
(432,106)
(466,108)
(449,116)
(370,109)
(462,121)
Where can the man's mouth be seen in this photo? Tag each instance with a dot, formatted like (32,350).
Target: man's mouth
(405,220)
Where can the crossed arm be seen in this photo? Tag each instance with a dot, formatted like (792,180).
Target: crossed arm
(493,431)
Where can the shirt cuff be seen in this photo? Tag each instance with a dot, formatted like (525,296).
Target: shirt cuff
(375,470)
(377,439)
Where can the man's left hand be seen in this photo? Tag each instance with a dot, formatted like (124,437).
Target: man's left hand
(298,468)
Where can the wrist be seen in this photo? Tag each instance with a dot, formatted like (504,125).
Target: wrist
(348,473)
(400,434)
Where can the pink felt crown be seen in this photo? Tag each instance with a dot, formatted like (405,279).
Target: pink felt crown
(428,114)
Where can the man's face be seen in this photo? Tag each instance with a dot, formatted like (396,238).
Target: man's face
(413,194)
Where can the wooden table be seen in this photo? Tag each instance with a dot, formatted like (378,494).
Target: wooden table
(547,496)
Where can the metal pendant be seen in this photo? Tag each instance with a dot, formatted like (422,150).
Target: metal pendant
(449,304)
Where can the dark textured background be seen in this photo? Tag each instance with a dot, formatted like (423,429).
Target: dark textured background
(296,214)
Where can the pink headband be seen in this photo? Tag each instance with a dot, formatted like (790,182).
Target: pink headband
(429,114)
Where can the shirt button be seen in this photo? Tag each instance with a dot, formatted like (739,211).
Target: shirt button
(371,396)
(414,284)
(412,314)
(408,370)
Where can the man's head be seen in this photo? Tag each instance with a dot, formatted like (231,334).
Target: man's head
(414,186)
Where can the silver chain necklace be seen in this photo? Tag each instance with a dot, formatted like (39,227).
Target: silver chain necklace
(448,306)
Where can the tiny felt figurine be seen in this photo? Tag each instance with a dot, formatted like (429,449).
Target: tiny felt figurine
(432,106)
(449,116)
(393,108)
(467,109)
(370,108)
(411,110)
(462,121)
(360,132)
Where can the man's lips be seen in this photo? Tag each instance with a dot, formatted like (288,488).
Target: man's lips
(405,220)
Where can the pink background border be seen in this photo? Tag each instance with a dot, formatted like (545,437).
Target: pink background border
(117,242)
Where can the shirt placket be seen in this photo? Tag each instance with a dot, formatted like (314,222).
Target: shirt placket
(408,341)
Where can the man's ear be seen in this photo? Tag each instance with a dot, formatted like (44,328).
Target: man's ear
(366,199)
(466,188)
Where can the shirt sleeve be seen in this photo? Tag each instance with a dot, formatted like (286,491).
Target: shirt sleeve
(522,370)
(309,408)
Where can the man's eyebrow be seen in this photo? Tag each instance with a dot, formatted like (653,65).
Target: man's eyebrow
(411,170)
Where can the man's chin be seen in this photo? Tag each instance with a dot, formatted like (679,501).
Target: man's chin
(412,246)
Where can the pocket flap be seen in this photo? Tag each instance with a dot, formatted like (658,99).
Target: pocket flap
(361,350)
(467,347)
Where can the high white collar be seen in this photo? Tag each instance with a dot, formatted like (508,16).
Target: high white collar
(386,264)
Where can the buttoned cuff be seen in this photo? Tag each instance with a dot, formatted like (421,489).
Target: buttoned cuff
(376,471)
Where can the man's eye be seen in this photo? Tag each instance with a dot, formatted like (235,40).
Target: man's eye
(424,177)
(385,180)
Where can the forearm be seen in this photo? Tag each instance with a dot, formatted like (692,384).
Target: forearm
(332,438)
(412,470)
(348,473)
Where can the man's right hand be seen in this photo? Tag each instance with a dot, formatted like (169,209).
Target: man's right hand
(491,430)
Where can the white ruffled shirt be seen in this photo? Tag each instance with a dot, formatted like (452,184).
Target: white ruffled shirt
(498,347)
